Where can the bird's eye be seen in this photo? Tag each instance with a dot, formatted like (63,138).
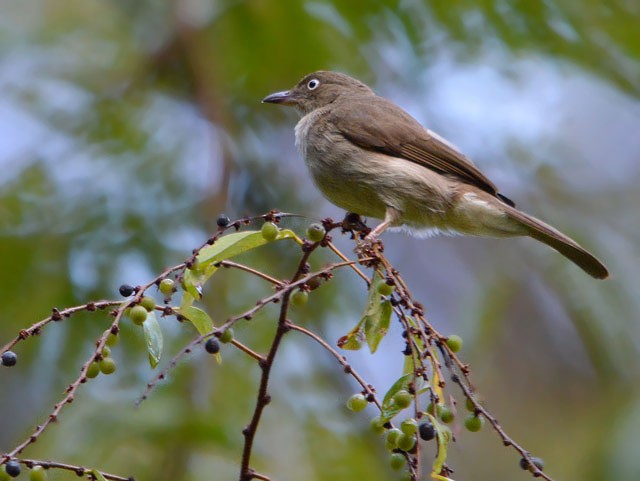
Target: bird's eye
(313,84)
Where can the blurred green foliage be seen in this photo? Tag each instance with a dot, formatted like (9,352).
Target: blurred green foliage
(126,127)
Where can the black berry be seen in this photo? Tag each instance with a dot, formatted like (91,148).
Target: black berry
(212,346)
(222,220)
(126,290)
(427,431)
(9,359)
(13,469)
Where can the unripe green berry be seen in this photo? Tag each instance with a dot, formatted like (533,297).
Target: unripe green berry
(391,440)
(107,366)
(138,315)
(397,461)
(166,287)
(409,426)
(376,424)
(473,423)
(149,303)
(106,350)
(446,415)
(93,370)
(468,404)
(269,231)
(226,336)
(3,474)
(454,342)
(299,298)
(194,264)
(37,473)
(384,289)
(112,340)
(357,403)
(406,442)
(315,232)
(402,399)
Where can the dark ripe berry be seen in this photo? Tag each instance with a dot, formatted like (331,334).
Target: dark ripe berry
(269,231)
(538,462)
(13,468)
(222,220)
(126,290)
(454,342)
(427,431)
(212,346)
(9,359)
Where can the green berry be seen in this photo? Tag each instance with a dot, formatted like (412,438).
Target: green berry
(138,315)
(13,468)
(473,423)
(9,358)
(409,426)
(3,474)
(446,415)
(106,350)
(397,461)
(357,403)
(212,346)
(112,340)
(427,431)
(93,370)
(149,303)
(468,403)
(107,366)
(402,399)
(316,232)
(391,440)
(299,298)
(376,424)
(454,342)
(384,289)
(406,443)
(37,473)
(226,336)
(166,287)
(269,231)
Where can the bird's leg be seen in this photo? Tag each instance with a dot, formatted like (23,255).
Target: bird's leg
(391,216)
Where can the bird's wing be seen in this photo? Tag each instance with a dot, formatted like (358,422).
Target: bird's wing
(377,124)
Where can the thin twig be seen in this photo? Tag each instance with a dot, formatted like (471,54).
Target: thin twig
(78,470)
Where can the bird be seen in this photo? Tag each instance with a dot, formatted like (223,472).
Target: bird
(369,156)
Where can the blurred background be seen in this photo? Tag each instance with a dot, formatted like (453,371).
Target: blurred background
(127,127)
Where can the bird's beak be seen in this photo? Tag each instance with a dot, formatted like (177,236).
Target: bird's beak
(285,98)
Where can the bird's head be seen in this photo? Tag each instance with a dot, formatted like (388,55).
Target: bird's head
(319,89)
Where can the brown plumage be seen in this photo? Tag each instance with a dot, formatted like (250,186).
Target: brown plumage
(369,156)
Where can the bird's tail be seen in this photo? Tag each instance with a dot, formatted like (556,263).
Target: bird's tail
(564,245)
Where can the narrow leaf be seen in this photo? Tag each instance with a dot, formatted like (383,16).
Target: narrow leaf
(192,283)
(377,315)
(200,319)
(97,475)
(153,338)
(443,437)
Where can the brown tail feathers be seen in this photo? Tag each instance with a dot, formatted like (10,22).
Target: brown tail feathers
(560,242)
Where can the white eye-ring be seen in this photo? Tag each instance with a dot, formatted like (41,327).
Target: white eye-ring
(313,84)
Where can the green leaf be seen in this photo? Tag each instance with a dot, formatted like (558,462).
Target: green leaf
(200,319)
(389,409)
(354,339)
(153,338)
(443,438)
(377,315)
(192,282)
(97,475)
(237,243)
